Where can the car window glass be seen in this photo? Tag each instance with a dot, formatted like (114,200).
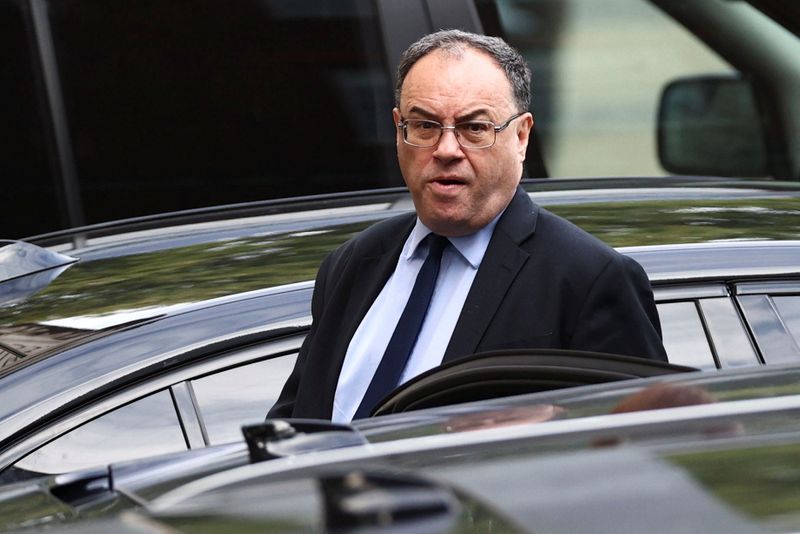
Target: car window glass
(28,189)
(238,396)
(684,336)
(770,331)
(599,67)
(732,344)
(192,103)
(789,309)
(143,428)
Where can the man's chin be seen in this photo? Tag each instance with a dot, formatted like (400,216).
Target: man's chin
(449,226)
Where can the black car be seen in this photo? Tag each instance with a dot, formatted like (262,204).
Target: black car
(171,337)
(681,453)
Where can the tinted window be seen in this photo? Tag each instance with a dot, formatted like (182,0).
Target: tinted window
(193,103)
(789,310)
(143,428)
(770,330)
(238,396)
(28,189)
(733,346)
(599,67)
(684,335)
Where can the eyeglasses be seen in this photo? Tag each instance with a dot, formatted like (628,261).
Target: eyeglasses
(424,133)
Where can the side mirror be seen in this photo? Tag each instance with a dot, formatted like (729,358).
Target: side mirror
(711,125)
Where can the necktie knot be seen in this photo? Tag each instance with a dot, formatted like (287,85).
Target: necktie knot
(436,244)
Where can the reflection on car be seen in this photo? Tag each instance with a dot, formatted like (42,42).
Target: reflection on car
(189,355)
(126,375)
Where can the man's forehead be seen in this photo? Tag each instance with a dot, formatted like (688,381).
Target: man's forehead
(463,74)
(447,60)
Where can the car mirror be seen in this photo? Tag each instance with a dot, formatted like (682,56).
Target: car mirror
(711,126)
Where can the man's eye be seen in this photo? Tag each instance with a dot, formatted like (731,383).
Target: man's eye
(475,127)
(426,125)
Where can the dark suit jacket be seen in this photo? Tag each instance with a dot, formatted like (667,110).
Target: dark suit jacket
(543,283)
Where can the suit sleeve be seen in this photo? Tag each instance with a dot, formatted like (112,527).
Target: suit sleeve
(619,314)
(284,406)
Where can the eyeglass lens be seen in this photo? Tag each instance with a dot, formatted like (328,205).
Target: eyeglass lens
(473,134)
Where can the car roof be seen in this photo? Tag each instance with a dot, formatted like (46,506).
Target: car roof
(718,261)
(150,263)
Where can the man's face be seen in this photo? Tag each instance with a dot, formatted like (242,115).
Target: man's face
(456,190)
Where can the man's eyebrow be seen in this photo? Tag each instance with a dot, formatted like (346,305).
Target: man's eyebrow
(480,114)
(425,113)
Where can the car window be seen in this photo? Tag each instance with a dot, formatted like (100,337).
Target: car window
(772,331)
(731,342)
(599,67)
(167,101)
(238,396)
(684,336)
(789,309)
(146,427)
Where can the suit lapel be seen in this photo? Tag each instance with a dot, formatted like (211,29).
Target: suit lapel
(371,274)
(500,266)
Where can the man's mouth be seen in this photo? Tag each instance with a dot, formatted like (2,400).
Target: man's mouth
(449,181)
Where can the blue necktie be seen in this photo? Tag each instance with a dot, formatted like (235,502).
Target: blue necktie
(387,376)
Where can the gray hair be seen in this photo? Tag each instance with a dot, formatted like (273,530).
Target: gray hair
(454,42)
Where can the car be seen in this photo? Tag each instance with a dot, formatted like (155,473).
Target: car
(672,453)
(679,467)
(127,374)
(194,327)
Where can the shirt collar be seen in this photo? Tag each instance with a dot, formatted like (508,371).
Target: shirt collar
(471,247)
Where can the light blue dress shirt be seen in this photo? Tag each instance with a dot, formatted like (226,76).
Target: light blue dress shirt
(459,265)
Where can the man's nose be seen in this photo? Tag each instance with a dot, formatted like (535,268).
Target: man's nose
(448,148)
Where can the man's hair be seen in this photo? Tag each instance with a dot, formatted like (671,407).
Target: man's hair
(455,42)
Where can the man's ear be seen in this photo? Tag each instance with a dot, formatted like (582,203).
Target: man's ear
(397,117)
(524,127)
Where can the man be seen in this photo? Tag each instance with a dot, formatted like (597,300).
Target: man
(511,275)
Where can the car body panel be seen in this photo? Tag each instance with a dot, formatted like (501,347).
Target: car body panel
(574,445)
(591,473)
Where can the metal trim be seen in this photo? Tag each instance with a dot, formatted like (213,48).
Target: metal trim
(36,438)
(188,415)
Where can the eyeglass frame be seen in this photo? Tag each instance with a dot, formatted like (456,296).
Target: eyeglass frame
(497,129)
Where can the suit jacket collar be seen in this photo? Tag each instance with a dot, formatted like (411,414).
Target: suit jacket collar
(519,220)
(372,272)
(503,260)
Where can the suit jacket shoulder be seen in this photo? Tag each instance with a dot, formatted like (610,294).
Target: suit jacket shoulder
(546,283)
